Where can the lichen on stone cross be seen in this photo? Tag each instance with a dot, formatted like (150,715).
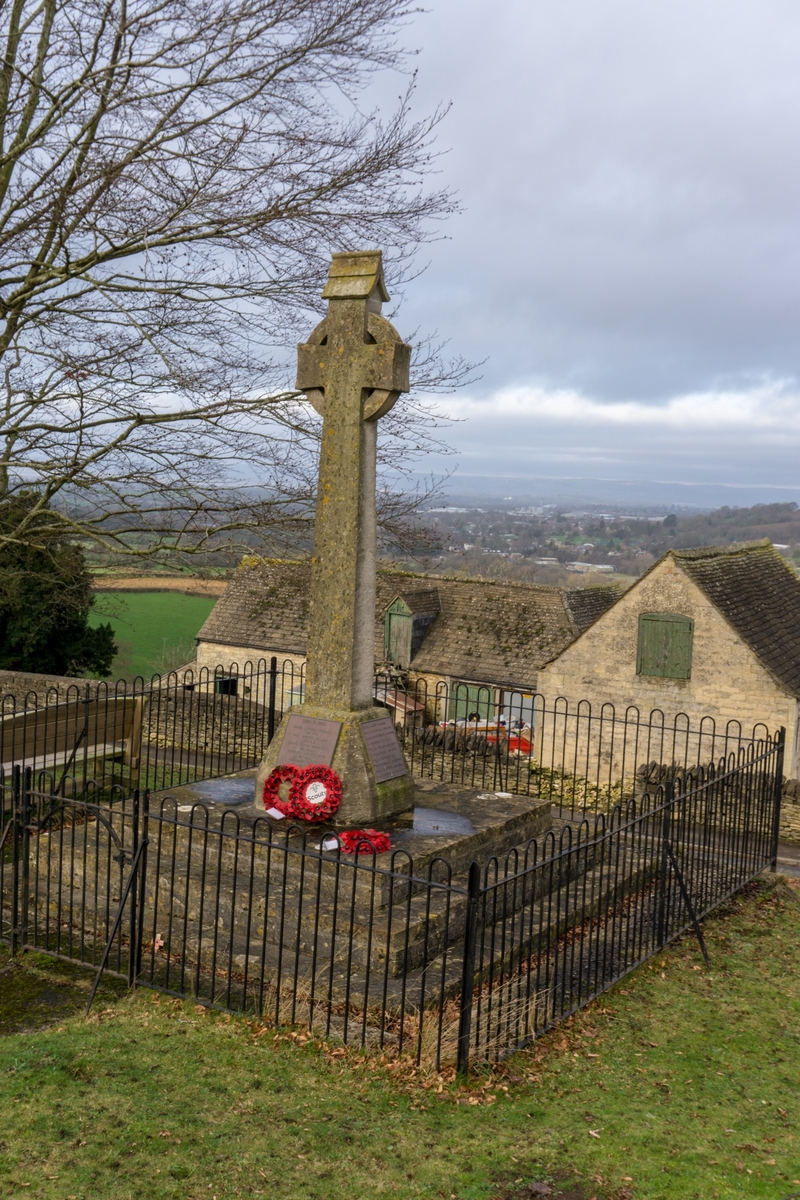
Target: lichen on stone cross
(352,369)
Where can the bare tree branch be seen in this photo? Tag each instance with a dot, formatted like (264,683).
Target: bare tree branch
(173,177)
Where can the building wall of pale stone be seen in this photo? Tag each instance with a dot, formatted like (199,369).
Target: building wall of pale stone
(250,661)
(435,691)
(430,690)
(728,683)
(790,811)
(217,654)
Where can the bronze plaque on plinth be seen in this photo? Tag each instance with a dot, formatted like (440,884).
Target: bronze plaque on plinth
(309,740)
(383,749)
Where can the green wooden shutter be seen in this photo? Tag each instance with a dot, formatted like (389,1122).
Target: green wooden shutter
(665,645)
(397,633)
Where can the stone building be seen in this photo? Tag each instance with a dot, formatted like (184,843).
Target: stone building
(473,639)
(710,633)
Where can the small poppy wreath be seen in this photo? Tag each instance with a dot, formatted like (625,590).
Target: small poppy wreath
(283,774)
(364,841)
(315,794)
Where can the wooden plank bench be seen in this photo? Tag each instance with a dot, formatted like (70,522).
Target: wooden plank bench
(62,735)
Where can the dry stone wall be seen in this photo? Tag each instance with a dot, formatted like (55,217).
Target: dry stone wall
(24,683)
(790,812)
(224,725)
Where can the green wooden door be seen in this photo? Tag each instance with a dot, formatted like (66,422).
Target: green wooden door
(397,623)
(467,701)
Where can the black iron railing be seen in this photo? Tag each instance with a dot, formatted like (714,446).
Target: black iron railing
(157,734)
(422,958)
(585,757)
(194,725)
(552,933)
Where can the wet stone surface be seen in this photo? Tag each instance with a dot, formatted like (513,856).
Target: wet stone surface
(229,791)
(437,822)
(448,821)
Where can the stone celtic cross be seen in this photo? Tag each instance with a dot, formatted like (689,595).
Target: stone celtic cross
(352,369)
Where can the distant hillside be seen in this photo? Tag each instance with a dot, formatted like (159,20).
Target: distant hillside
(549,546)
(778,522)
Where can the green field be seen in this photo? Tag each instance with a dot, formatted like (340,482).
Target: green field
(155,631)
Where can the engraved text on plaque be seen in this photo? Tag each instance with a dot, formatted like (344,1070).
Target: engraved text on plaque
(383,749)
(309,740)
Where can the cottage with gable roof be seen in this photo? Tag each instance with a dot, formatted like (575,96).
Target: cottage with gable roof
(488,636)
(707,632)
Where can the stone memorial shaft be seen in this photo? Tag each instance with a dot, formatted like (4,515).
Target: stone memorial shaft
(352,369)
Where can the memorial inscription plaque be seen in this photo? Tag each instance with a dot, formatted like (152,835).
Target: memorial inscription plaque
(383,749)
(309,740)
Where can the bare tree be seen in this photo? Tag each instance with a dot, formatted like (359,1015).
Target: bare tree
(173,177)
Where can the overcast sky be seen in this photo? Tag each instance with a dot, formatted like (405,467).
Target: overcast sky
(628,259)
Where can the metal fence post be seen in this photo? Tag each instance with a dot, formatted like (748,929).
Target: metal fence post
(468,968)
(134,915)
(500,782)
(777,796)
(25,838)
(145,838)
(16,787)
(273,680)
(116,925)
(661,921)
(87,709)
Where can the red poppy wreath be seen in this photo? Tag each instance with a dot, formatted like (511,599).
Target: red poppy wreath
(284,774)
(364,841)
(316,793)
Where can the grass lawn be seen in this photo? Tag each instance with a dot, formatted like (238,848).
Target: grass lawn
(677,1084)
(155,631)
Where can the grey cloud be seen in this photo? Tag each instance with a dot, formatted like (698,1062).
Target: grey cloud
(631,180)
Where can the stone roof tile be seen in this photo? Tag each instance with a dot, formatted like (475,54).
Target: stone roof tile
(759,595)
(265,606)
(484,630)
(422,602)
(589,603)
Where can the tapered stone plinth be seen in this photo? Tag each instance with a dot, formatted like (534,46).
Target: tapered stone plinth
(365,799)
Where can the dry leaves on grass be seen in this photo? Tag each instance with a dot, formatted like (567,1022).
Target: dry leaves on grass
(489,1083)
(578,1035)
(563,1186)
